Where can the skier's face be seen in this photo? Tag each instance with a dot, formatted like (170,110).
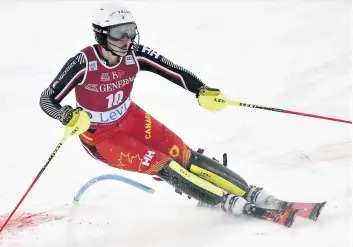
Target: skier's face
(120,47)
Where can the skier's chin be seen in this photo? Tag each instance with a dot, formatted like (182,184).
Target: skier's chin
(120,53)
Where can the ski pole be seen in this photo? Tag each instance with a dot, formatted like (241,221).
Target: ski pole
(228,102)
(81,126)
(236,103)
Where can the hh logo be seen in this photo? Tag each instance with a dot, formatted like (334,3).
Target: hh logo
(148,157)
(134,162)
(150,52)
(174,151)
(148,126)
(117,74)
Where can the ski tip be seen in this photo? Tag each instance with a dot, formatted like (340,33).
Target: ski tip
(315,213)
(292,214)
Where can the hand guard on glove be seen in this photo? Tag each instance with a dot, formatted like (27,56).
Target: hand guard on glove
(69,116)
(211,99)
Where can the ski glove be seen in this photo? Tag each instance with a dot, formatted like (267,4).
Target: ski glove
(69,116)
(211,99)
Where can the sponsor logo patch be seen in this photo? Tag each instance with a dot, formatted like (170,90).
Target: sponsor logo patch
(105,77)
(92,87)
(67,70)
(174,151)
(55,84)
(109,87)
(109,116)
(117,74)
(150,52)
(148,126)
(148,157)
(92,66)
(129,60)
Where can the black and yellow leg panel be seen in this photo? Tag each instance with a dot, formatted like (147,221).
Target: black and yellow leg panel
(190,184)
(217,174)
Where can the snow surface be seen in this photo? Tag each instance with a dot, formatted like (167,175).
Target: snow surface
(292,54)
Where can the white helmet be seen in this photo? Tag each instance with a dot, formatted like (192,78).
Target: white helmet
(114,21)
(110,14)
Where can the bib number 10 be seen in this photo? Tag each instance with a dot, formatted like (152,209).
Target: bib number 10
(115,99)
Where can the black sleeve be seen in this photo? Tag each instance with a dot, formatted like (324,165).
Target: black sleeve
(150,60)
(72,74)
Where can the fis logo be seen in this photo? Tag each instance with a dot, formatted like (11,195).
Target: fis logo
(92,66)
(129,60)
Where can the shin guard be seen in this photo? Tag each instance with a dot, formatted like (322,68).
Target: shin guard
(190,184)
(217,174)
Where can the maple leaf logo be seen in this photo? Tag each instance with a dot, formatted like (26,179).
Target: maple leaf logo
(130,162)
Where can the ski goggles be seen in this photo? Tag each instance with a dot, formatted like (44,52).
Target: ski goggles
(127,30)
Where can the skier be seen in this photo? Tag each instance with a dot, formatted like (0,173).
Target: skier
(124,136)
